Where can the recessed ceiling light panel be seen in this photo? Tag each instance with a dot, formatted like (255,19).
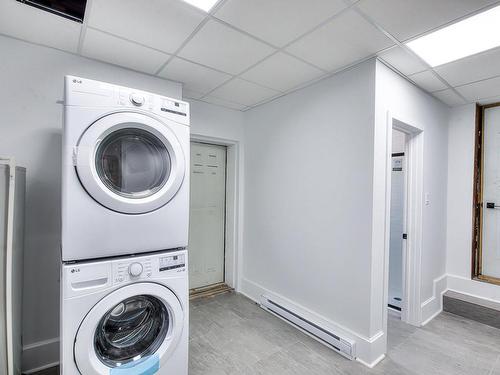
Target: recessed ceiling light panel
(467,37)
(205,5)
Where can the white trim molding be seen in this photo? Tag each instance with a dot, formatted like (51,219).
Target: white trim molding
(367,348)
(40,355)
(433,306)
(474,288)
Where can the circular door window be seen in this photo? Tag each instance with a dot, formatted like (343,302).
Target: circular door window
(130,162)
(133,163)
(134,329)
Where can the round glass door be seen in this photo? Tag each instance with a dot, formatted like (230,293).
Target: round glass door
(133,163)
(132,330)
(130,162)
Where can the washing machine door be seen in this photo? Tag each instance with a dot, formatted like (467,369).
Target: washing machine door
(133,330)
(130,162)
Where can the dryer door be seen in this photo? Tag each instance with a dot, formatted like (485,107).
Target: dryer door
(130,162)
(131,331)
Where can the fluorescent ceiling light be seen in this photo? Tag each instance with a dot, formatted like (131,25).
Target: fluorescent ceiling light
(470,36)
(205,5)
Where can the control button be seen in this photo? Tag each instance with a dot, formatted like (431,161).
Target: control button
(135,269)
(137,99)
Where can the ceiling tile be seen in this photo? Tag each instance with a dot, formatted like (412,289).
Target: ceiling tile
(105,47)
(405,19)
(224,48)
(473,68)
(402,60)
(224,103)
(34,25)
(345,40)
(276,21)
(190,94)
(449,97)
(428,81)
(161,24)
(282,72)
(480,90)
(243,92)
(194,77)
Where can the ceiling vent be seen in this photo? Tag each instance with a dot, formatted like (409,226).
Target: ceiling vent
(71,9)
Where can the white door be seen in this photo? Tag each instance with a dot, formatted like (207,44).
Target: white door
(207,215)
(491,193)
(396,234)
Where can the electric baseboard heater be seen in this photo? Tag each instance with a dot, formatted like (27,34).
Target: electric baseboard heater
(343,346)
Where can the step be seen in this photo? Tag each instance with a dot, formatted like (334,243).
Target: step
(473,308)
(209,291)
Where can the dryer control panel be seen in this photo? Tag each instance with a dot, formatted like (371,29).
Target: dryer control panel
(172,262)
(133,270)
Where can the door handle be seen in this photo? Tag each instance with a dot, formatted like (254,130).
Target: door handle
(491,205)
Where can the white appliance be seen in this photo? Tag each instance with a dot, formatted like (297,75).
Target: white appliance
(125,316)
(12,197)
(125,178)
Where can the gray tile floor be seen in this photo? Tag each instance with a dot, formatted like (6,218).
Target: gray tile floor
(229,335)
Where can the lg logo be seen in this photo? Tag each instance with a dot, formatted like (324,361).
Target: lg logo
(77,81)
(74,270)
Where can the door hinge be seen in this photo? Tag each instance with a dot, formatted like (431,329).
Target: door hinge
(405,236)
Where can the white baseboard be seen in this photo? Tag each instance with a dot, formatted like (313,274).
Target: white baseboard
(434,305)
(474,288)
(369,350)
(40,355)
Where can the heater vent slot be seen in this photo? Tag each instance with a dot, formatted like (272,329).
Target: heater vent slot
(344,346)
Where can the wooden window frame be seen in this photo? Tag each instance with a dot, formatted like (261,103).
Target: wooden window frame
(477,205)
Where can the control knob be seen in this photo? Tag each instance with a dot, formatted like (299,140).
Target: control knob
(135,269)
(137,99)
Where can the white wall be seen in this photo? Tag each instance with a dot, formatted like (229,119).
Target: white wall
(31,123)
(213,121)
(214,124)
(411,105)
(308,199)
(461,136)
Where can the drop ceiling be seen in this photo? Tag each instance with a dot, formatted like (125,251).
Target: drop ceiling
(248,52)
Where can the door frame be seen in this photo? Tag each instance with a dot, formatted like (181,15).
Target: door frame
(477,208)
(411,311)
(233,229)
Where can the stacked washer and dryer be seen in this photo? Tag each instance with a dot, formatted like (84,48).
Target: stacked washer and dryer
(125,220)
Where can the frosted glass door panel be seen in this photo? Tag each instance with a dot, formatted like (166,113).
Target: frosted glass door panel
(491,193)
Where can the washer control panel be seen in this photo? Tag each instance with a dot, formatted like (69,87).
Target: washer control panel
(172,262)
(133,270)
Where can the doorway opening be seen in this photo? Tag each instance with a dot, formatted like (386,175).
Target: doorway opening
(397,240)
(207,228)
(404,206)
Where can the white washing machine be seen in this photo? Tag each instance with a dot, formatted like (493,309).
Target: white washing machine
(125,316)
(125,178)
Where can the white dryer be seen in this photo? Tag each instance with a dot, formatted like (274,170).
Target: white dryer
(125,316)
(125,178)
